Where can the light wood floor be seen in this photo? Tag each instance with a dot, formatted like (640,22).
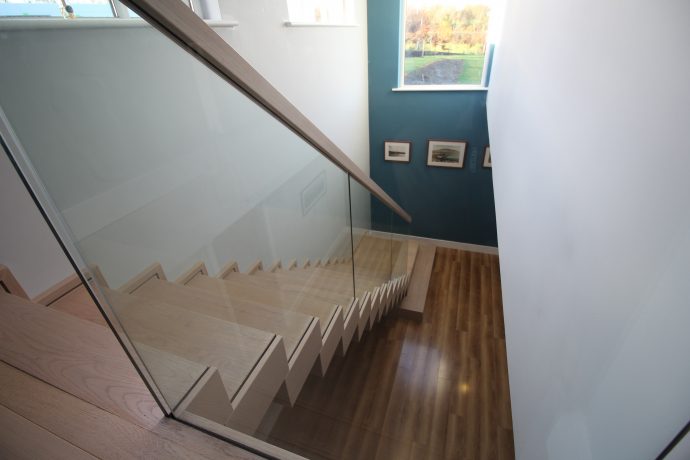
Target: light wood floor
(436,389)
(67,390)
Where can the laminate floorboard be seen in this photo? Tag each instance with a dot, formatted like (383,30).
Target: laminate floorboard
(436,389)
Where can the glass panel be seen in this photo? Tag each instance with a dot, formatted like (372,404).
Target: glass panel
(402,254)
(46,8)
(55,8)
(199,209)
(92,9)
(445,42)
(371,225)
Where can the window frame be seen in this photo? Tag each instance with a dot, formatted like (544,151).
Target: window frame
(117,9)
(301,20)
(59,4)
(490,45)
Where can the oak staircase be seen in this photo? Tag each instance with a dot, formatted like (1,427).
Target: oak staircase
(223,349)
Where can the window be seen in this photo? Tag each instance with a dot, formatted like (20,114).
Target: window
(56,8)
(446,42)
(325,12)
(89,9)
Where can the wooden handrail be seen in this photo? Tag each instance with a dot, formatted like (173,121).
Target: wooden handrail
(189,31)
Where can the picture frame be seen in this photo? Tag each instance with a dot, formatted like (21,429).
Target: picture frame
(487,157)
(397,151)
(446,154)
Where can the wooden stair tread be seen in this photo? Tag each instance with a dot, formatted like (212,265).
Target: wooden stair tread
(68,353)
(292,326)
(326,278)
(280,299)
(349,305)
(30,343)
(230,347)
(329,319)
(73,422)
(365,275)
(78,303)
(329,274)
(300,334)
(172,373)
(335,293)
(374,255)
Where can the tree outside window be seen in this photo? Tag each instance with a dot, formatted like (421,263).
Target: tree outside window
(445,42)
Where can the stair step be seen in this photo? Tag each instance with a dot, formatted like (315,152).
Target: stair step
(330,278)
(252,364)
(67,354)
(172,373)
(78,303)
(255,267)
(330,316)
(9,284)
(300,333)
(329,294)
(275,266)
(372,309)
(337,279)
(282,299)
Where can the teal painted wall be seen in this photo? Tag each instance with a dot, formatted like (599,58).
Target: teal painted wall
(449,204)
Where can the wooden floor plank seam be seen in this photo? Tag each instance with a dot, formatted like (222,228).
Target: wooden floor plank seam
(76,447)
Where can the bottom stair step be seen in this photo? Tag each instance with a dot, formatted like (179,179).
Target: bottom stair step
(251,364)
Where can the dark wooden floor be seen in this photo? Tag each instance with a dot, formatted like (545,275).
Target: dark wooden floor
(436,389)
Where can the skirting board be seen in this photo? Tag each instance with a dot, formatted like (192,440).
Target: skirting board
(442,243)
(9,283)
(58,291)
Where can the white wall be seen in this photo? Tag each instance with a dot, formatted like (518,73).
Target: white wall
(588,118)
(162,171)
(322,70)
(26,245)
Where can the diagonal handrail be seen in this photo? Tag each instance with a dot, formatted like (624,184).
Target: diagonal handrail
(189,31)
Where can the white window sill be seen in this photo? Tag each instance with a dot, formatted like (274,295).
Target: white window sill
(410,88)
(86,23)
(315,24)
(221,23)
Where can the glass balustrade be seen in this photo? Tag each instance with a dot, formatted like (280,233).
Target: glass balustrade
(372,251)
(235,258)
(402,249)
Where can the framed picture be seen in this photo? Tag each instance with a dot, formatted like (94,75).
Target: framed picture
(446,154)
(487,157)
(397,151)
